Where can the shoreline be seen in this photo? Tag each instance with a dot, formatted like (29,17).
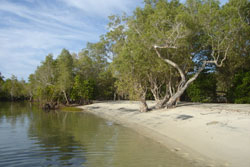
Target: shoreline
(206,134)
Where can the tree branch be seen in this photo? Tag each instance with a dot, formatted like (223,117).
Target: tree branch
(183,78)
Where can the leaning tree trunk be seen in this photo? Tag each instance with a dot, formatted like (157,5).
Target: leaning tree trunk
(217,50)
(173,99)
(66,98)
(183,85)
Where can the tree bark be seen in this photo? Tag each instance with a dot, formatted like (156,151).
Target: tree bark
(114,96)
(156,91)
(172,101)
(66,98)
(31,98)
(143,106)
(161,103)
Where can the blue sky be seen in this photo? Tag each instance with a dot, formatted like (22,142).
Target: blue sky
(31,29)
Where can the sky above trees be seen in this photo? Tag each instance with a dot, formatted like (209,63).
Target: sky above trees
(30,29)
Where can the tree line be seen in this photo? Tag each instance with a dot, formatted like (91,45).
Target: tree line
(68,79)
(165,51)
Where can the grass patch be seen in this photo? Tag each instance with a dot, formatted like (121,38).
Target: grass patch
(75,109)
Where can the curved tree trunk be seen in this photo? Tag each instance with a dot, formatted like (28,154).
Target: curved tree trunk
(219,47)
(183,85)
(173,99)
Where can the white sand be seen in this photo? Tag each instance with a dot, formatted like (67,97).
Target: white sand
(211,134)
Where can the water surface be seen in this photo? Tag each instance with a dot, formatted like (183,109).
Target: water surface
(32,137)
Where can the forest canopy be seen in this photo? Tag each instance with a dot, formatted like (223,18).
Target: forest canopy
(166,51)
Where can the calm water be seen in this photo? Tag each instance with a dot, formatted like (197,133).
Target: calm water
(32,137)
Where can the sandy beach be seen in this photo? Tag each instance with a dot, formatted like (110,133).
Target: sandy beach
(210,134)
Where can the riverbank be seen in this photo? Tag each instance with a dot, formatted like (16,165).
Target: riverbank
(211,134)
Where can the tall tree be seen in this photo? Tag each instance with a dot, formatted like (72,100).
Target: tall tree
(239,59)
(65,75)
(44,80)
(188,38)
(215,35)
(135,60)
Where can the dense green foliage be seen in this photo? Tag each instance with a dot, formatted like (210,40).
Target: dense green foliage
(240,90)
(72,78)
(161,45)
(203,89)
(12,89)
(159,52)
(69,78)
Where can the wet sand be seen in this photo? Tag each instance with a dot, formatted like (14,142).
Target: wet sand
(207,134)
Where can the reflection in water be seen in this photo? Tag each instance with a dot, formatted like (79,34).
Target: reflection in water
(31,137)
